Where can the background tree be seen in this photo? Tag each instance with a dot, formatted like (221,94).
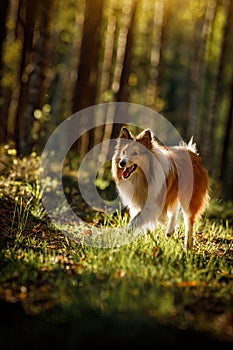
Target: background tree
(201,31)
(24,118)
(85,89)
(124,59)
(225,67)
(32,28)
(4,6)
(162,42)
(217,90)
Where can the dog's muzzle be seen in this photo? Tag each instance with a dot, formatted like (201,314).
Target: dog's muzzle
(123,162)
(127,171)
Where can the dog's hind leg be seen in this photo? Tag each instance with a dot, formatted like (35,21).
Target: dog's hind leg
(188,235)
(172,219)
(196,207)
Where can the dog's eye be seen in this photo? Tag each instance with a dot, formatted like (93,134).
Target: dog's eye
(124,152)
(134,153)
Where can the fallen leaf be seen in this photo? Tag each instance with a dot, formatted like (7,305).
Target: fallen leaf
(87,233)
(155,251)
(187,284)
(119,273)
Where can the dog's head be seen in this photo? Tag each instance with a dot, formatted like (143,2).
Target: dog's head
(133,152)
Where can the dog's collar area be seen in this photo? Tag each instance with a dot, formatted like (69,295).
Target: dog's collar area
(128,171)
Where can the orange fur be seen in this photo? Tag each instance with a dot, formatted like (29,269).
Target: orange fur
(154,180)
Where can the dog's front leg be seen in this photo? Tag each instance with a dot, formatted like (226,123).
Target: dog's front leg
(144,220)
(172,218)
(136,222)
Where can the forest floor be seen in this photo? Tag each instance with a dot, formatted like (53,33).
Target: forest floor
(150,293)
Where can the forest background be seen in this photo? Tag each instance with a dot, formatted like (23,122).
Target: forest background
(58,57)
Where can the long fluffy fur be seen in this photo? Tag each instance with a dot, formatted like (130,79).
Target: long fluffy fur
(154,181)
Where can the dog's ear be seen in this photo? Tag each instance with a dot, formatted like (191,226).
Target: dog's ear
(145,138)
(125,133)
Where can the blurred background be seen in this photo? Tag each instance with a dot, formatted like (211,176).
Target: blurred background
(174,56)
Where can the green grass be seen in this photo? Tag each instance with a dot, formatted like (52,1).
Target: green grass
(57,290)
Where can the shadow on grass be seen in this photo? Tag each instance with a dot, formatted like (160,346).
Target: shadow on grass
(77,325)
(61,329)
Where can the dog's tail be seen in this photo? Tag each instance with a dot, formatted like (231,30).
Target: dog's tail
(190,145)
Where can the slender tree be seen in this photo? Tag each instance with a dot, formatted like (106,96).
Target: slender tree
(121,79)
(123,92)
(226,140)
(4,6)
(158,38)
(24,119)
(85,90)
(107,65)
(162,43)
(217,85)
(225,64)
(36,96)
(86,86)
(33,31)
(201,32)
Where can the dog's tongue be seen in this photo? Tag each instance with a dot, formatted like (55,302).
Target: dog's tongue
(126,172)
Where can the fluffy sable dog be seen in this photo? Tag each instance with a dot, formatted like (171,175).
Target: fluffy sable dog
(154,181)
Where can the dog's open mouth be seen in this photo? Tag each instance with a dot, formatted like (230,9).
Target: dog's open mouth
(128,171)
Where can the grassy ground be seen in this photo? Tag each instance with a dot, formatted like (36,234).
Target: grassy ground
(55,291)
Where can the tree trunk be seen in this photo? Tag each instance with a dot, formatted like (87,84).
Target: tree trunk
(86,86)
(158,28)
(197,68)
(36,96)
(106,71)
(163,37)
(122,93)
(85,90)
(217,91)
(24,118)
(226,140)
(34,17)
(4,6)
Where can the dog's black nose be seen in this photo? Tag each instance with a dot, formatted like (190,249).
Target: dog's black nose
(122,163)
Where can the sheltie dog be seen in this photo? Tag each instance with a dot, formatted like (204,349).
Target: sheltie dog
(154,181)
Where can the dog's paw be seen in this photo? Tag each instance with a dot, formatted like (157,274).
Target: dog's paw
(130,228)
(170,233)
